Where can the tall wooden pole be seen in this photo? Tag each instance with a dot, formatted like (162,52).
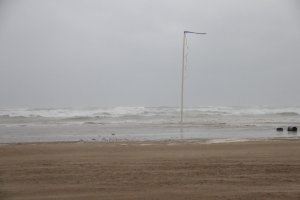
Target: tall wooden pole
(182,76)
(183,70)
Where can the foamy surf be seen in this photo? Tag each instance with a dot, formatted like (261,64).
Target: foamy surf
(144,123)
(228,116)
(217,141)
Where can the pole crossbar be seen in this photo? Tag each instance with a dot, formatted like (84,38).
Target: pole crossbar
(194,33)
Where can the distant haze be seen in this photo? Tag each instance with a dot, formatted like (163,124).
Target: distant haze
(58,53)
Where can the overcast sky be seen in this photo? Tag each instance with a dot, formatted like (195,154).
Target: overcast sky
(58,53)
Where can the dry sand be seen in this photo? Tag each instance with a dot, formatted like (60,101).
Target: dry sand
(248,170)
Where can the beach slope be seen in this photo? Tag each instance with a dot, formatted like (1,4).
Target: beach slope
(162,170)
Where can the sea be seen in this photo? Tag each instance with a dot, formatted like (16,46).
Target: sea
(209,124)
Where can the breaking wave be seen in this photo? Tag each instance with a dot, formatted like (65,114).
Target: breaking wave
(196,115)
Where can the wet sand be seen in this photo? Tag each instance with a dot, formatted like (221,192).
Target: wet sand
(161,170)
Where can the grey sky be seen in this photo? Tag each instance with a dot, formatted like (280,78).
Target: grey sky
(108,52)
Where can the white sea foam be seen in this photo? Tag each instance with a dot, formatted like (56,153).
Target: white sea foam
(70,112)
(217,141)
(121,111)
(168,116)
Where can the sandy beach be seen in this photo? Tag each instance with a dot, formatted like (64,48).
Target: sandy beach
(160,170)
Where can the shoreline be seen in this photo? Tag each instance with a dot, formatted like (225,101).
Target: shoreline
(166,141)
(102,134)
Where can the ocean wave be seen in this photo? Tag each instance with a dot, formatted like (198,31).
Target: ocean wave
(208,114)
(288,113)
(72,113)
